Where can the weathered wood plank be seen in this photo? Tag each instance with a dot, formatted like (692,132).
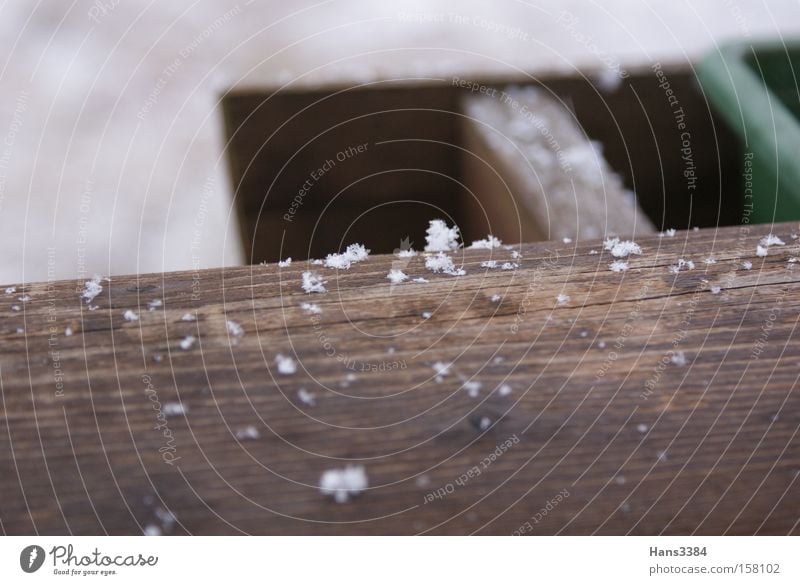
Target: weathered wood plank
(597,406)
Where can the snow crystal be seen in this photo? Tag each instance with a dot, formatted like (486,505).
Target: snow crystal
(234,329)
(642,428)
(188,317)
(311,308)
(306,397)
(715,290)
(442,369)
(621,249)
(187,342)
(566,240)
(504,390)
(681,265)
(771,240)
(91,289)
(441,262)
(473,388)
(286,365)
(130,316)
(313,283)
(343,483)
(509,266)
(747,265)
(489,264)
(397,276)
(410,253)
(426,315)
(248,433)
(618,266)
(154,304)
(516,255)
(285,263)
(441,238)
(487,244)
(678,358)
(68,332)
(562,299)
(496,298)
(173,409)
(761,251)
(353,254)
(420,280)
(11,290)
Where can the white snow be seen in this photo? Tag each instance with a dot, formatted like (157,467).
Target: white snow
(420,280)
(441,238)
(248,433)
(715,290)
(130,316)
(234,329)
(761,251)
(353,254)
(678,358)
(286,365)
(409,253)
(173,409)
(618,266)
(473,388)
(747,265)
(306,397)
(509,266)
(496,298)
(397,276)
(343,483)
(11,290)
(771,240)
(681,265)
(486,244)
(562,299)
(566,240)
(442,369)
(311,308)
(91,289)
(154,304)
(188,317)
(504,390)
(426,315)
(621,249)
(441,262)
(187,342)
(313,282)
(489,264)
(285,263)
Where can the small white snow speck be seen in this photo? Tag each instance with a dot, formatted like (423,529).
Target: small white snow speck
(285,263)
(311,308)
(489,264)
(313,283)
(516,255)
(234,329)
(681,265)
(473,388)
(91,289)
(420,280)
(771,240)
(152,530)
(562,299)
(154,304)
(710,260)
(761,251)
(187,342)
(486,244)
(566,240)
(484,423)
(343,483)
(504,390)
(286,365)
(248,433)
(68,332)
(397,276)
(130,316)
(174,409)
(747,265)
(353,254)
(592,252)
(15,308)
(509,266)
(496,298)
(409,253)
(426,315)
(24,298)
(601,344)
(678,358)
(621,249)
(188,317)
(442,369)
(715,290)
(441,262)
(306,397)
(670,233)
(11,290)
(642,428)
(618,266)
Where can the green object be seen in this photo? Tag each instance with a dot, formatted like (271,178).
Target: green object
(755,88)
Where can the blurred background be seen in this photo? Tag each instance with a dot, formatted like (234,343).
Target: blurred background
(127,131)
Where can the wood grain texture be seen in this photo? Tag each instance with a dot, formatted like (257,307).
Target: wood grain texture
(599,410)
